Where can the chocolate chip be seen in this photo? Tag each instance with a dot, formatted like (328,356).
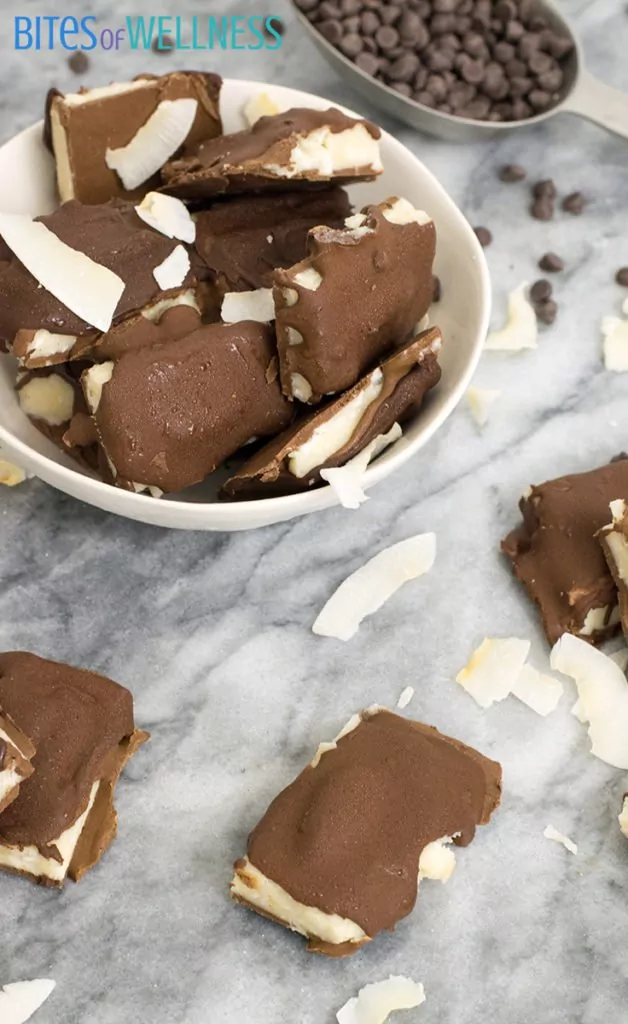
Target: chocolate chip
(437,60)
(445,6)
(276,24)
(450,42)
(352,24)
(369,45)
(351,45)
(331,30)
(349,7)
(622,277)
(528,44)
(539,99)
(506,10)
(368,63)
(307,5)
(402,88)
(420,79)
(543,189)
(162,44)
(437,87)
(512,172)
(574,203)
(329,10)
(543,208)
(78,62)
(477,109)
(473,44)
(437,289)
(442,23)
(520,86)
(560,47)
(515,68)
(503,52)
(541,290)
(537,23)
(425,98)
(483,236)
(410,24)
(369,23)
(540,62)
(472,71)
(551,263)
(546,311)
(552,80)
(405,68)
(387,38)
(390,14)
(514,31)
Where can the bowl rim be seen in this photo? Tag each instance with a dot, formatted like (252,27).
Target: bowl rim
(284,506)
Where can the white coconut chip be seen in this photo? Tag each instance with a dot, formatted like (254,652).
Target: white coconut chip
(405,697)
(346,481)
(154,143)
(258,106)
(374,1003)
(256,305)
(493,669)
(373,584)
(602,696)
(521,327)
(557,837)
(615,347)
(481,401)
(11,474)
(174,269)
(167,215)
(623,817)
(539,691)
(19,1001)
(88,289)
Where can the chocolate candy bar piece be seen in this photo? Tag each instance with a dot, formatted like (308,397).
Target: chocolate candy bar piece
(361,290)
(242,242)
(614,541)
(16,754)
(39,329)
(331,436)
(301,147)
(81,127)
(52,398)
(167,416)
(339,853)
(81,725)
(557,556)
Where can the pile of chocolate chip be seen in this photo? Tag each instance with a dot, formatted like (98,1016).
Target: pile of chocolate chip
(489,60)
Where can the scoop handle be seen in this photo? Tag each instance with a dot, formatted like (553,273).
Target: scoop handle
(599,103)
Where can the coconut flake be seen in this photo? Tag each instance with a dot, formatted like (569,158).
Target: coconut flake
(493,669)
(540,692)
(602,696)
(437,861)
(19,1001)
(405,697)
(557,837)
(10,474)
(623,817)
(154,143)
(88,289)
(174,269)
(481,402)
(374,1003)
(615,345)
(346,481)
(260,105)
(367,589)
(256,305)
(167,215)
(521,327)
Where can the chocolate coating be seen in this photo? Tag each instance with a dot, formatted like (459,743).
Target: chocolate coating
(386,272)
(407,377)
(171,414)
(242,242)
(555,552)
(16,754)
(76,720)
(243,161)
(347,835)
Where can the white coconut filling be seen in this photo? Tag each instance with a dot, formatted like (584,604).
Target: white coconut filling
(336,432)
(156,311)
(308,921)
(65,175)
(403,212)
(9,779)
(618,547)
(255,305)
(45,344)
(103,92)
(300,387)
(167,215)
(154,143)
(325,153)
(30,860)
(437,861)
(310,279)
(94,381)
(50,399)
(599,618)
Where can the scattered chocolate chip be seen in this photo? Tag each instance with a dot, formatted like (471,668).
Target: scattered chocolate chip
(437,289)
(544,189)
(162,44)
(543,208)
(574,203)
(620,457)
(541,290)
(622,277)
(331,29)
(511,172)
(351,45)
(78,62)
(483,236)
(546,311)
(551,263)
(368,63)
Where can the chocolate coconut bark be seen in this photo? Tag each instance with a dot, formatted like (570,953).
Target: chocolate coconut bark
(614,541)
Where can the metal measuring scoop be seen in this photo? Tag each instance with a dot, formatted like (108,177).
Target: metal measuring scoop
(581,93)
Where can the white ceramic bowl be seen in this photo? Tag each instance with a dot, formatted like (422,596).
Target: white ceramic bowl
(26,170)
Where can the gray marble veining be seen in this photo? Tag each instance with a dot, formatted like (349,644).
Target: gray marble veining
(212,634)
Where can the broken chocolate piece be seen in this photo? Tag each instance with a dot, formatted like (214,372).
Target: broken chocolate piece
(168,415)
(557,556)
(333,435)
(83,126)
(301,147)
(336,857)
(242,242)
(52,398)
(614,541)
(81,725)
(16,754)
(383,257)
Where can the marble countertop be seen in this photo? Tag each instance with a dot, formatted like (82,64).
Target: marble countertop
(212,634)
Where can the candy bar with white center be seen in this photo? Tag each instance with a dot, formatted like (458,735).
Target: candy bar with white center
(557,555)
(52,398)
(338,855)
(333,435)
(299,148)
(361,290)
(168,415)
(16,754)
(81,725)
(39,327)
(151,118)
(614,541)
